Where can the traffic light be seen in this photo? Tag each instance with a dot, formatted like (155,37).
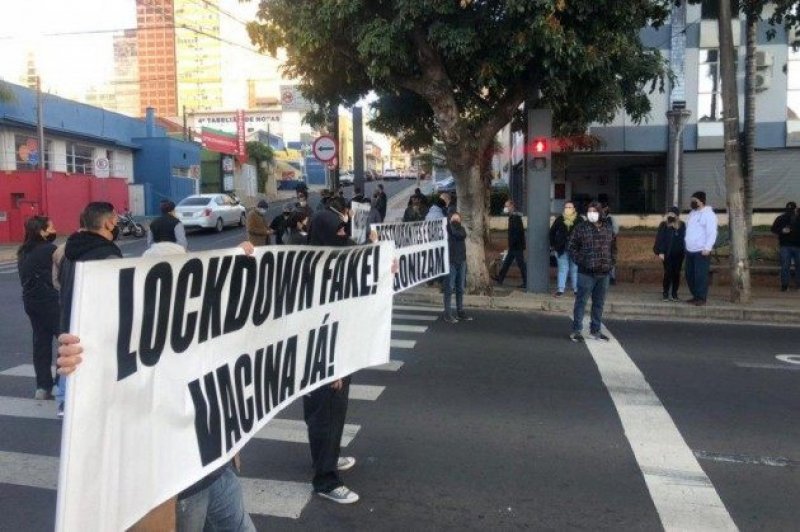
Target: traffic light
(540,153)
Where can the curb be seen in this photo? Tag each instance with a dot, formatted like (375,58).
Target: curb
(630,310)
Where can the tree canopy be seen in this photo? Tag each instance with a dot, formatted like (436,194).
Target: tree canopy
(439,63)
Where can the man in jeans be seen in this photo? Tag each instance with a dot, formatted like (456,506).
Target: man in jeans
(592,248)
(787,227)
(456,241)
(701,233)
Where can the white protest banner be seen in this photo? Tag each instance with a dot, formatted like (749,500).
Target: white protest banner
(421,249)
(187,357)
(359,216)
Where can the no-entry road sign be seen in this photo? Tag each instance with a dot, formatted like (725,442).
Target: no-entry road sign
(324,148)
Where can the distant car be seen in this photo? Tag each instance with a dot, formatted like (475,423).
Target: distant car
(447,184)
(390,175)
(210,211)
(346,179)
(498,185)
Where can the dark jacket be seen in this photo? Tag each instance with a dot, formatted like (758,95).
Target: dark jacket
(294,237)
(516,233)
(278,226)
(81,246)
(35,268)
(457,242)
(382,205)
(670,241)
(792,221)
(413,215)
(324,227)
(163,228)
(593,248)
(559,233)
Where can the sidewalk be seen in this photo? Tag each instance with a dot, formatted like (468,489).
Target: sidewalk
(635,301)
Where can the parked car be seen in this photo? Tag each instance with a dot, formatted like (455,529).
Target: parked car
(346,179)
(390,175)
(210,211)
(448,184)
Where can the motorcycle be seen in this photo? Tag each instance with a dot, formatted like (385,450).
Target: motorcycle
(127,226)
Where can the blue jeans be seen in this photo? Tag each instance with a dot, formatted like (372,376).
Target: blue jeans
(596,286)
(697,266)
(788,255)
(566,266)
(61,389)
(455,282)
(219,507)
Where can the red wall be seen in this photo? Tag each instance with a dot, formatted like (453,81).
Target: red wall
(67,195)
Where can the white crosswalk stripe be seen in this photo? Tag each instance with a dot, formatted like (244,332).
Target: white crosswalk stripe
(267,497)
(277,498)
(417,309)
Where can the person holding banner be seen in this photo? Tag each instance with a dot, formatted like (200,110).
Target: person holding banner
(456,241)
(296,233)
(325,409)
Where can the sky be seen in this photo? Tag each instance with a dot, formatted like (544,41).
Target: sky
(68,64)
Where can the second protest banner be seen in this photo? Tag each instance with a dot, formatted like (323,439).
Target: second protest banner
(421,250)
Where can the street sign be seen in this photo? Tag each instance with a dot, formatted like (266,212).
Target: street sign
(324,148)
(101,167)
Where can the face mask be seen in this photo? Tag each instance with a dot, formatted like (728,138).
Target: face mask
(695,204)
(115,232)
(261,211)
(506,210)
(302,203)
(593,217)
(50,237)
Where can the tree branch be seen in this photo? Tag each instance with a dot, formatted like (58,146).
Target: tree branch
(502,113)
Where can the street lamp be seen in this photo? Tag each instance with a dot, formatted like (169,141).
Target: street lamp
(677,117)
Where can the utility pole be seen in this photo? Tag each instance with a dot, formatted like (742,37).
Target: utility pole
(539,177)
(335,135)
(185,130)
(677,118)
(40,133)
(358,147)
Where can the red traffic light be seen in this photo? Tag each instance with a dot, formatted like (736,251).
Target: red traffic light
(539,146)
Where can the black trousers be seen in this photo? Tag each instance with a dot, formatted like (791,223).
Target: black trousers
(672,275)
(44,318)
(325,410)
(511,256)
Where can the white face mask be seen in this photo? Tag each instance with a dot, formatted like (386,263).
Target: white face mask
(506,210)
(593,216)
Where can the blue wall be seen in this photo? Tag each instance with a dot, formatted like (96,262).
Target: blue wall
(153,165)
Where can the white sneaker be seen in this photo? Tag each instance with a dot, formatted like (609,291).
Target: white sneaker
(345,462)
(42,395)
(341,495)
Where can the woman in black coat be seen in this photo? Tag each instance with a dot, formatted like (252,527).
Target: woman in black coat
(516,245)
(40,298)
(670,248)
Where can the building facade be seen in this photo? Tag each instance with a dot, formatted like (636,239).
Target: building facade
(155,48)
(89,154)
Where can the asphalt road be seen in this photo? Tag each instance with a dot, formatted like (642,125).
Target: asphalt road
(502,423)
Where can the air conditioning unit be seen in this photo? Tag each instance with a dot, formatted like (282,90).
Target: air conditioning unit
(764,59)
(763,81)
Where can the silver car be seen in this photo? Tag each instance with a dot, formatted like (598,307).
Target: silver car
(210,211)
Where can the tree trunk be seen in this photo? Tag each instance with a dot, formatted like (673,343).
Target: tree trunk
(750,117)
(734,184)
(472,195)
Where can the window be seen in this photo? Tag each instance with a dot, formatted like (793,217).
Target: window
(26,151)
(79,158)
(709,87)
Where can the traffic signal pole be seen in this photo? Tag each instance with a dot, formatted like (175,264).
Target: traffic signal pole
(539,178)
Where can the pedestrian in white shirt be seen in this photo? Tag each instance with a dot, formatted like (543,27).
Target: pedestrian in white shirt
(701,233)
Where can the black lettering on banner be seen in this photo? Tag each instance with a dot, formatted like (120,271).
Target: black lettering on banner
(243,373)
(308,280)
(320,346)
(211,316)
(337,286)
(240,298)
(288,375)
(351,287)
(263,305)
(418,267)
(259,384)
(332,353)
(327,274)
(286,284)
(376,262)
(181,339)
(155,319)
(272,376)
(126,359)
(232,431)
(206,418)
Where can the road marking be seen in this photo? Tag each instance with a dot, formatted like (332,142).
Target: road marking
(277,498)
(293,431)
(789,359)
(409,328)
(757,365)
(681,492)
(402,344)
(418,309)
(23,370)
(392,365)
(414,317)
(746,459)
(286,430)
(364,392)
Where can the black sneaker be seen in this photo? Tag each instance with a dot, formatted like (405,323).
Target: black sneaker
(450,319)
(665,297)
(576,337)
(462,316)
(558,294)
(600,336)
(784,288)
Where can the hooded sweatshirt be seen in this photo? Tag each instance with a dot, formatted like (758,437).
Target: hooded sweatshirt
(81,246)
(701,230)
